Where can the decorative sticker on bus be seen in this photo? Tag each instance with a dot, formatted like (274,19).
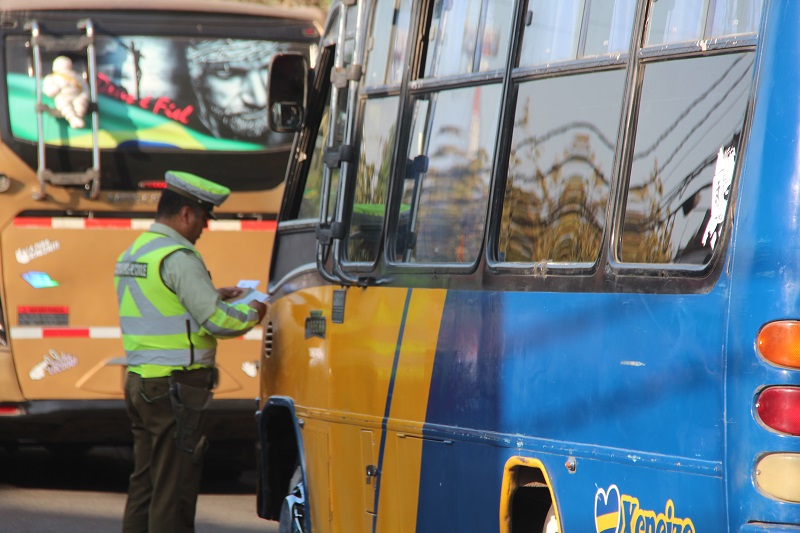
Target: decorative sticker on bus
(622,513)
(43,315)
(315,325)
(155,92)
(39,280)
(36,250)
(53,362)
(721,188)
(250,368)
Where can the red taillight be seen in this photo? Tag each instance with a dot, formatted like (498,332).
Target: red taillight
(152,184)
(10,410)
(779,343)
(779,409)
(309,31)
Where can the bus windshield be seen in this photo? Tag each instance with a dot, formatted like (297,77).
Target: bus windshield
(165,92)
(193,88)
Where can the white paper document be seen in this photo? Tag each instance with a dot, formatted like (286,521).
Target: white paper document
(249,293)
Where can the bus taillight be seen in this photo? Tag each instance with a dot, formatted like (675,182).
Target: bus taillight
(152,184)
(779,343)
(11,410)
(779,409)
(778,475)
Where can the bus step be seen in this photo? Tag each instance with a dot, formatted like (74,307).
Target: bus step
(69,178)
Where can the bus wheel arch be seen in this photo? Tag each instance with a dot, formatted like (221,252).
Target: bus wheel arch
(527,502)
(280,455)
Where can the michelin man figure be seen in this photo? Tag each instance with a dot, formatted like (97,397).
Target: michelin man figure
(68,90)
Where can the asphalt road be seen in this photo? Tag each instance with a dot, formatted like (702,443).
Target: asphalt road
(42,492)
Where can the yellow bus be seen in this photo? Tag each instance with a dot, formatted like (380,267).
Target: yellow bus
(97,101)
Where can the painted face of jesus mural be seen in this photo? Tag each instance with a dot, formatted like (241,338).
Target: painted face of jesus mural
(229,78)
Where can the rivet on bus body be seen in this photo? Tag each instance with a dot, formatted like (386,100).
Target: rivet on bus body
(571,464)
(779,343)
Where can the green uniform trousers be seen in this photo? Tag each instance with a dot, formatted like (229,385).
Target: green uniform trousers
(163,488)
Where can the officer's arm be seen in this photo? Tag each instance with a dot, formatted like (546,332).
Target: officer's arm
(186,274)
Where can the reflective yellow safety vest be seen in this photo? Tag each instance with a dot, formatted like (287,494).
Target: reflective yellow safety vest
(156,327)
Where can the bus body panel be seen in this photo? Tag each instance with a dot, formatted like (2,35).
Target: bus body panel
(66,337)
(421,459)
(765,267)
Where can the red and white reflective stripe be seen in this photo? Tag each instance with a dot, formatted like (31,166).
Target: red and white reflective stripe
(135,223)
(33,332)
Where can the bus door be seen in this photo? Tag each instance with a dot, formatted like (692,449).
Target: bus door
(364,448)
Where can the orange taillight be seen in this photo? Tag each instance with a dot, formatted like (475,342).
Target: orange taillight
(779,343)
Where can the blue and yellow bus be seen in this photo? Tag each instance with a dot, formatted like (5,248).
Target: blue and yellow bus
(536,269)
(161,85)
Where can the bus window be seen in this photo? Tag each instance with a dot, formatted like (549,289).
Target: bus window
(609,26)
(554,30)
(372,182)
(312,193)
(387,55)
(674,21)
(687,142)
(733,17)
(560,168)
(460,43)
(448,201)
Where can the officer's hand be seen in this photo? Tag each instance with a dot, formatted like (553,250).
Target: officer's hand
(260,307)
(229,292)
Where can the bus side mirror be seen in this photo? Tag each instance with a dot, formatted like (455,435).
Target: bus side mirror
(288,89)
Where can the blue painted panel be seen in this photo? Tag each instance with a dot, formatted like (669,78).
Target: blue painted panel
(640,372)
(765,280)
(459,489)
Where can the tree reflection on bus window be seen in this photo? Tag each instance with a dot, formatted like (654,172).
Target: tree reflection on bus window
(447,198)
(372,181)
(560,168)
(312,192)
(686,147)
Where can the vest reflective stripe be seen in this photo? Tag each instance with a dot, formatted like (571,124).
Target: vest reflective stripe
(156,327)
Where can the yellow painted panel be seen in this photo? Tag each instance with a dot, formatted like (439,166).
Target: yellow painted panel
(299,367)
(369,459)
(344,378)
(364,347)
(347,473)
(415,367)
(399,496)
(315,443)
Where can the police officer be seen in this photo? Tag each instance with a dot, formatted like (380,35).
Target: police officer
(171,316)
